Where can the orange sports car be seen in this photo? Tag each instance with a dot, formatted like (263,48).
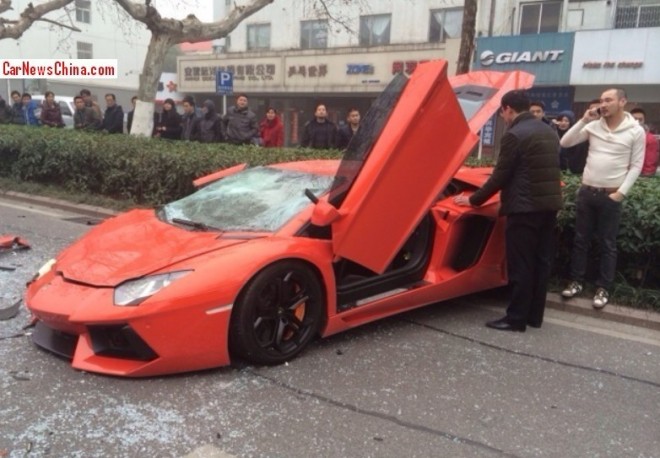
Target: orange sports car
(259,261)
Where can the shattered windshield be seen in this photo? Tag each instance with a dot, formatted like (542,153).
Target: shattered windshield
(260,199)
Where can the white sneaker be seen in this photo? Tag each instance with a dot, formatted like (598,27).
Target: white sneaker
(573,289)
(601,298)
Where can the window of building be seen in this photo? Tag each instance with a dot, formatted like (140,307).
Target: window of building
(313,34)
(85,50)
(632,14)
(375,30)
(258,36)
(445,24)
(84,11)
(542,17)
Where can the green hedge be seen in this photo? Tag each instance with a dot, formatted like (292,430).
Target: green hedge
(144,170)
(154,171)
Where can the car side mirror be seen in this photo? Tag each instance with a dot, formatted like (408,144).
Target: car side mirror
(324,214)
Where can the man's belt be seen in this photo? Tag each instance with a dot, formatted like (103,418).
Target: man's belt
(595,189)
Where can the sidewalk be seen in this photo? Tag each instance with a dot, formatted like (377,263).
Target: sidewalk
(581,305)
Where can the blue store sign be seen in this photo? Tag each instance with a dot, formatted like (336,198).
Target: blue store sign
(548,55)
(555,98)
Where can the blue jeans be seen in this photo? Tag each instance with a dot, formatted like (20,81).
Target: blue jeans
(597,215)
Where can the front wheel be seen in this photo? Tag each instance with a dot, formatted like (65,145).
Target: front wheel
(277,315)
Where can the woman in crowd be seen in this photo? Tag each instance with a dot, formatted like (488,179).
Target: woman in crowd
(271,130)
(167,123)
(51,114)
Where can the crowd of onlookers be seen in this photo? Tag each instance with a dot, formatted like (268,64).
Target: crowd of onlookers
(239,125)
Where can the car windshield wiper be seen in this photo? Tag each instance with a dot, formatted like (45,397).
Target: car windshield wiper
(193,224)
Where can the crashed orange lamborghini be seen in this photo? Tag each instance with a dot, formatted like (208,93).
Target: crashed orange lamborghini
(259,261)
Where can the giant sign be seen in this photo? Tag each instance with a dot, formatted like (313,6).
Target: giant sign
(548,56)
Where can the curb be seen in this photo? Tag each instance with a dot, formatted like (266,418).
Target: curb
(83,209)
(612,312)
(580,306)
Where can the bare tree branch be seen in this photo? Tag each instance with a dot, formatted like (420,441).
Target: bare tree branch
(16,28)
(190,29)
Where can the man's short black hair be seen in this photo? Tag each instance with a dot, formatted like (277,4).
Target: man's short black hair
(516,100)
(85,92)
(638,110)
(111,95)
(189,99)
(78,97)
(537,103)
(15,93)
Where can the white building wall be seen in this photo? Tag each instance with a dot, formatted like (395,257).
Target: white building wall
(111,34)
(585,15)
(410,21)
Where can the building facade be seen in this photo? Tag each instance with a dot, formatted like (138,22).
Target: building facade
(291,57)
(576,49)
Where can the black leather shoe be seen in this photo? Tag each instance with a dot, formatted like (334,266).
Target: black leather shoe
(503,324)
(534,324)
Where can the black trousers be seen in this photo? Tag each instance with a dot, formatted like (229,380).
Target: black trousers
(530,243)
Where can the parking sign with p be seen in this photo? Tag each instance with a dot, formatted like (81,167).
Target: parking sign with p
(224,82)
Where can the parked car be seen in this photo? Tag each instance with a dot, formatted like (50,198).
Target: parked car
(259,261)
(66,106)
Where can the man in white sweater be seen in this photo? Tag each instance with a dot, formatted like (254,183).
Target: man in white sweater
(614,161)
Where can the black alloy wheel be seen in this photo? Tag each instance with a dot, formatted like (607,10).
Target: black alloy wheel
(279,312)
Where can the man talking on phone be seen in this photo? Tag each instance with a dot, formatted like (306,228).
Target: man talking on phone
(614,161)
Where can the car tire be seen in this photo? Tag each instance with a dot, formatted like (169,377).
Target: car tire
(277,314)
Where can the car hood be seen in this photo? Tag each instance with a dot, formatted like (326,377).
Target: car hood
(133,245)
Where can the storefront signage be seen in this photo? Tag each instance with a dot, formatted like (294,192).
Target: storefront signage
(359,69)
(623,64)
(249,72)
(548,56)
(489,57)
(618,57)
(406,67)
(313,71)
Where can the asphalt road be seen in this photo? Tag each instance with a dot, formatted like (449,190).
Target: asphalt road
(431,383)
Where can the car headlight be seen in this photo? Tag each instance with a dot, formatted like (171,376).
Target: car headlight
(134,292)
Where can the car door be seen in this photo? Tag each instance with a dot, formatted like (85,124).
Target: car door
(422,143)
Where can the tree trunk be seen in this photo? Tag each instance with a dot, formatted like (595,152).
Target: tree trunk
(143,118)
(467,36)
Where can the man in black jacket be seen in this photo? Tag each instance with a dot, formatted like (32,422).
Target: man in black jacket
(320,132)
(527,173)
(113,118)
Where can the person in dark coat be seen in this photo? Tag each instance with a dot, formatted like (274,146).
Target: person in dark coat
(113,118)
(319,133)
(5,112)
(168,122)
(562,123)
(210,125)
(51,113)
(85,118)
(271,130)
(17,108)
(527,173)
(189,121)
(346,132)
(240,123)
(130,115)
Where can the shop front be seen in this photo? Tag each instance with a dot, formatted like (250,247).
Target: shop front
(294,82)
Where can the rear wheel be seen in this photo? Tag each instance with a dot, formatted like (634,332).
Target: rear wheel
(277,315)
